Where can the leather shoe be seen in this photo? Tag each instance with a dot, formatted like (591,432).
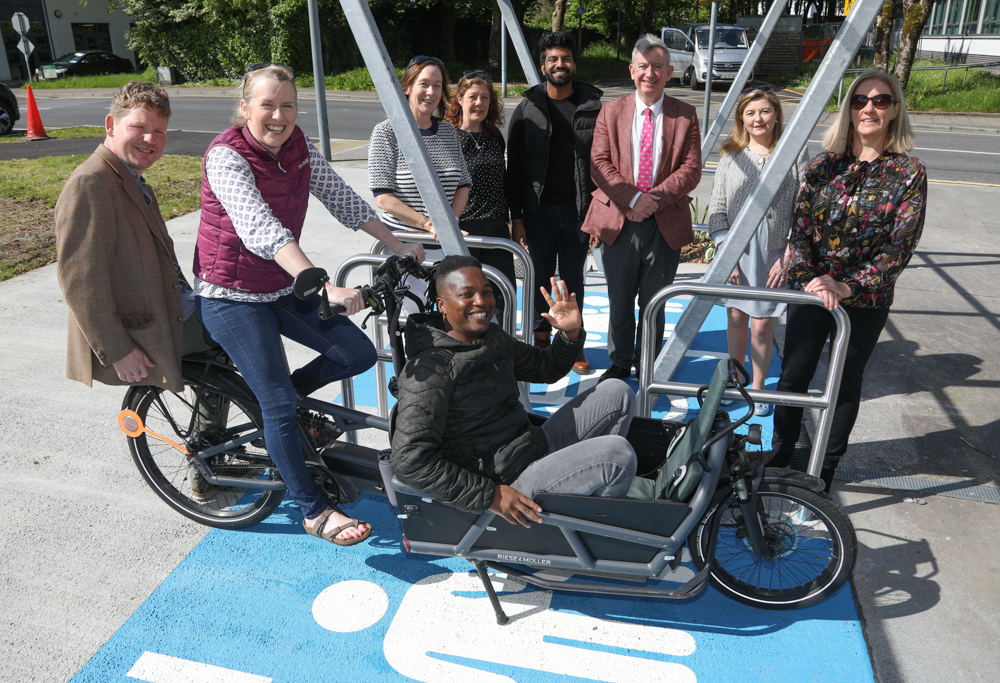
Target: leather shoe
(582,365)
(543,339)
(615,372)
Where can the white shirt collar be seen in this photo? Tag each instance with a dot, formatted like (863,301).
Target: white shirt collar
(657,108)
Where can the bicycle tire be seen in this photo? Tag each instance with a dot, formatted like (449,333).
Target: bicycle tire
(814,553)
(169,472)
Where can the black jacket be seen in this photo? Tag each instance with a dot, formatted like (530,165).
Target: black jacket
(459,427)
(528,148)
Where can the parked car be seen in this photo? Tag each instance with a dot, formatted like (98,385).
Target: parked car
(85,64)
(688,47)
(9,111)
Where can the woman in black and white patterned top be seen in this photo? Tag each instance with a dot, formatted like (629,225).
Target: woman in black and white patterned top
(477,114)
(425,83)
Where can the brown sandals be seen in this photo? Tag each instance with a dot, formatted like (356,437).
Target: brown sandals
(331,535)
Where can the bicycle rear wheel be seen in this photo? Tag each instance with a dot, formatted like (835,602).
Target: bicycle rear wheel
(227,410)
(810,537)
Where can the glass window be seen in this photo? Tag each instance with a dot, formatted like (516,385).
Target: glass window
(971,21)
(724,37)
(935,25)
(92,37)
(991,20)
(954,16)
(676,40)
(37,34)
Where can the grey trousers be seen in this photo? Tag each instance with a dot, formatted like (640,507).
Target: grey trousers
(588,452)
(639,262)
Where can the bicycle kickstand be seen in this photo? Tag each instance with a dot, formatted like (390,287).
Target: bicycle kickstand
(502,618)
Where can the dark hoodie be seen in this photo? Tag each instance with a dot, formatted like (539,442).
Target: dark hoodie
(460,428)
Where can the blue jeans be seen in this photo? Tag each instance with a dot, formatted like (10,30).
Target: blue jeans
(250,333)
(555,231)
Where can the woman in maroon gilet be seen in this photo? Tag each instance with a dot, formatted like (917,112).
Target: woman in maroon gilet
(258,178)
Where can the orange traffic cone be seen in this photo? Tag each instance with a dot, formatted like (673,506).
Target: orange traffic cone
(36,131)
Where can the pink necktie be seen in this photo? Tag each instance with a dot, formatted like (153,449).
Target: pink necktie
(646,153)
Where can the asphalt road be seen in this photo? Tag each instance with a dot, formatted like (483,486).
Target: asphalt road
(957,156)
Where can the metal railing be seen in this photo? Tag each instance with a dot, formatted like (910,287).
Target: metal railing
(381,324)
(527,290)
(945,68)
(825,401)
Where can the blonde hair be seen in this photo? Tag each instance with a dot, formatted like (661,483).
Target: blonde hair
(840,136)
(739,138)
(281,74)
(139,94)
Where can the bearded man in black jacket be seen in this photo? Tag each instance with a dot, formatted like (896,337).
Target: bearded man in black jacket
(461,434)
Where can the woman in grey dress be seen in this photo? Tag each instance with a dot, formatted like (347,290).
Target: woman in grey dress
(757,127)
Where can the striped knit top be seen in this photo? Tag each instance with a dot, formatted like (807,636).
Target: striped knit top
(388,172)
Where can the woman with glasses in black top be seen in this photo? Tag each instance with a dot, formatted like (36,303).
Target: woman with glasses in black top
(477,114)
(858,216)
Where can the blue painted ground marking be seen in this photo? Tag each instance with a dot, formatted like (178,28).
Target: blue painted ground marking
(274,603)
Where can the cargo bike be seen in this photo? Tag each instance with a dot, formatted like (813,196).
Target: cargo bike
(763,536)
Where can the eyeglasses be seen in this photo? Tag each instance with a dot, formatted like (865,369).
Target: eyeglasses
(469,75)
(257,66)
(421,59)
(761,88)
(880,101)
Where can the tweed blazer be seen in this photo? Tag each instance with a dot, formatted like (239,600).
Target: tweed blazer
(117,273)
(677,173)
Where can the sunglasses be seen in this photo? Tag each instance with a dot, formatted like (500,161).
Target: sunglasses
(421,59)
(257,66)
(469,75)
(880,101)
(761,88)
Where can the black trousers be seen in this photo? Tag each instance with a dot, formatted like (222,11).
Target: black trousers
(806,332)
(555,232)
(640,262)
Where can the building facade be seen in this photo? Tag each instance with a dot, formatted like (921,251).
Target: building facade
(964,31)
(59,27)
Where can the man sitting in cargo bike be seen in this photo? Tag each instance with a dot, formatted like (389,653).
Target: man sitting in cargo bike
(461,434)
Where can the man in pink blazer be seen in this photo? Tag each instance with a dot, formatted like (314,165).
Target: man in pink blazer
(645,159)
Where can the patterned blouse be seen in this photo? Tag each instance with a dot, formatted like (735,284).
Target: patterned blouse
(484,156)
(858,222)
(232,181)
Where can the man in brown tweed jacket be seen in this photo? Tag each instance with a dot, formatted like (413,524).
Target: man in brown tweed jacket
(117,267)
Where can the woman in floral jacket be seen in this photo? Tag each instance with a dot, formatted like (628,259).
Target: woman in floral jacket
(858,216)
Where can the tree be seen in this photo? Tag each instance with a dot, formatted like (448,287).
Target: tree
(883,35)
(915,16)
(559,14)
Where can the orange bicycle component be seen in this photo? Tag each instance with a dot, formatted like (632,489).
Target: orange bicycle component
(130,423)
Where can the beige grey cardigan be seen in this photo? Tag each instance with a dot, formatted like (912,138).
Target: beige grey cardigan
(734,179)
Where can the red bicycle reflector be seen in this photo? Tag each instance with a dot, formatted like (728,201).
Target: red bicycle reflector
(406,544)
(130,424)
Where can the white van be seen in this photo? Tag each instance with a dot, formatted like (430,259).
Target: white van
(688,47)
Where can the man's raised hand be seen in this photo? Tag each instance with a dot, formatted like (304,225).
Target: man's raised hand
(564,314)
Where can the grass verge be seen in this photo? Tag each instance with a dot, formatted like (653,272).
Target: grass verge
(977,91)
(103,81)
(60,133)
(31,187)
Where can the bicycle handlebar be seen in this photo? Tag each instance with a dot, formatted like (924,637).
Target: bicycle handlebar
(312,281)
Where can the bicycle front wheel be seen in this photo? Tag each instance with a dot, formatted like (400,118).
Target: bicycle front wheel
(810,540)
(226,411)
